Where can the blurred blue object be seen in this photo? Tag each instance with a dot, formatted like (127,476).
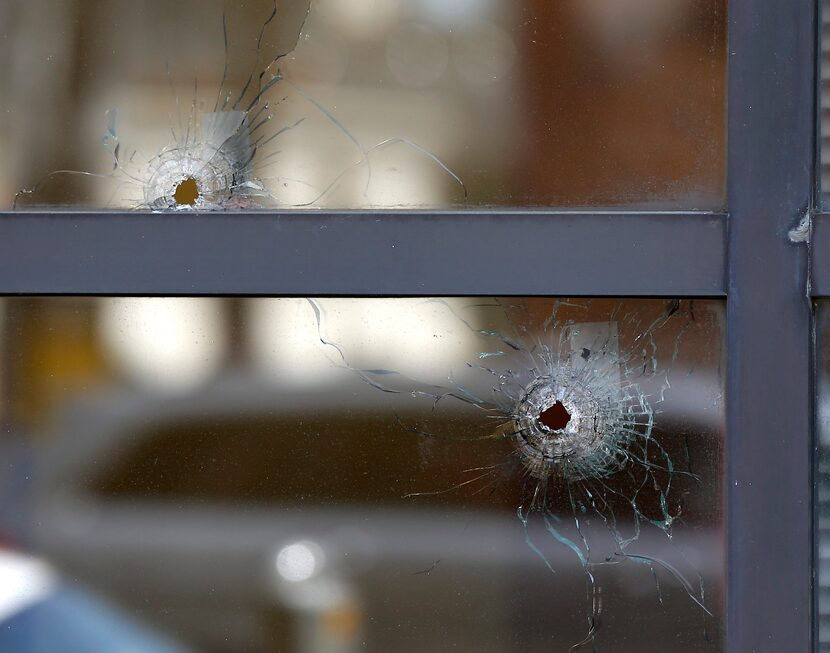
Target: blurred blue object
(41,614)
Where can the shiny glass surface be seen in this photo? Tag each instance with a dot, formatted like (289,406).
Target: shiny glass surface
(367,474)
(384,103)
(824,101)
(823,473)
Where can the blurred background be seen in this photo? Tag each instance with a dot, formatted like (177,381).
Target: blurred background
(533,103)
(211,472)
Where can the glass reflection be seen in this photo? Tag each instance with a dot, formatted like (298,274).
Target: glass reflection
(823,472)
(824,101)
(329,475)
(531,104)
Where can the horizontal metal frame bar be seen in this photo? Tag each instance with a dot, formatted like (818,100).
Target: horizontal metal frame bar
(375,253)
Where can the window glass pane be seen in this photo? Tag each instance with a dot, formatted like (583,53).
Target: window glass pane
(530,103)
(823,475)
(824,126)
(365,474)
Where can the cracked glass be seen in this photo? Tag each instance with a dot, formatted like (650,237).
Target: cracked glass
(344,474)
(151,105)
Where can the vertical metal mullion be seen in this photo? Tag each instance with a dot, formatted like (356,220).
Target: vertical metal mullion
(771,127)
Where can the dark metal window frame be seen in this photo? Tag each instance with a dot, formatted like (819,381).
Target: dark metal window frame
(744,255)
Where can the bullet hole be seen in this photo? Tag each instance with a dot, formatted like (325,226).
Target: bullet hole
(187,192)
(556,417)
(215,158)
(594,489)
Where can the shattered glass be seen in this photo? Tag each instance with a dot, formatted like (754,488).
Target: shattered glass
(362,103)
(399,474)
(225,145)
(569,393)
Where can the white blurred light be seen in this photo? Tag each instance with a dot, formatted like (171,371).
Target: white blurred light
(451,12)
(284,342)
(483,52)
(299,561)
(295,175)
(169,344)
(360,19)
(417,55)
(415,337)
(24,581)
(411,180)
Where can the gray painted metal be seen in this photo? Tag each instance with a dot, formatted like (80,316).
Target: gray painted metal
(315,253)
(771,127)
